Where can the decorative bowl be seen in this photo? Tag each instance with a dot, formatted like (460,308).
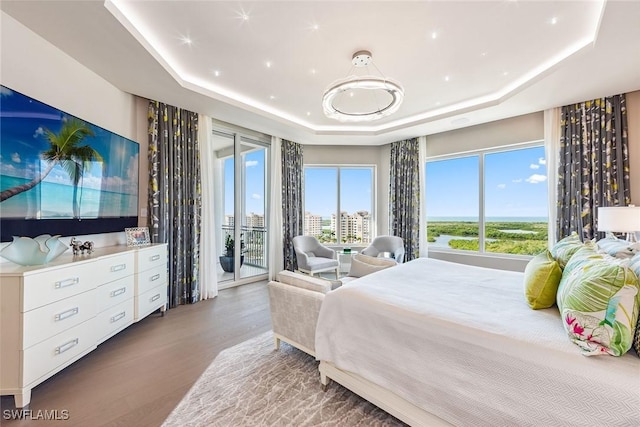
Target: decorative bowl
(37,251)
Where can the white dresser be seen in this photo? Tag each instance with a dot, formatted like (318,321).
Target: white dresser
(52,315)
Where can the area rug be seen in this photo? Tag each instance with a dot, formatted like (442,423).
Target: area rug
(252,384)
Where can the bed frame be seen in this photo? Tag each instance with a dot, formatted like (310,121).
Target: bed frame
(384,399)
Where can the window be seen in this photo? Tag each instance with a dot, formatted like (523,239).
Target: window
(494,201)
(339,204)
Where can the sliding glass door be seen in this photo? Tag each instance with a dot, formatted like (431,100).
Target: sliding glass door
(241,206)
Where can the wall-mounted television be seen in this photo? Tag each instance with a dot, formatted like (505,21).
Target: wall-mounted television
(62,175)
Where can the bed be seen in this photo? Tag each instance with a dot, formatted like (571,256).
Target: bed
(438,343)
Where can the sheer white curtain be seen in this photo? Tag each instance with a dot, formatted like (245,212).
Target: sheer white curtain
(208,255)
(552,151)
(276,263)
(424,251)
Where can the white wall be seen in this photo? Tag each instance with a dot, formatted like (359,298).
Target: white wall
(36,68)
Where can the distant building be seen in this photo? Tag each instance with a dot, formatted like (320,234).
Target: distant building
(254,220)
(312,224)
(354,228)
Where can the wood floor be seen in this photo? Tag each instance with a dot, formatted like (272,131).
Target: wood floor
(137,377)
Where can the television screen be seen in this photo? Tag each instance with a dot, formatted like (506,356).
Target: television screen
(60,174)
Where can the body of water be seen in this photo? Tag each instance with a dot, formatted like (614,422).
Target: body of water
(49,200)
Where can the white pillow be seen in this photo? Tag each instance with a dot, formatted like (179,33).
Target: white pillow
(361,265)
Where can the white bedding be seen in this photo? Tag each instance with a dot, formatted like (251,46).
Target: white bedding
(460,342)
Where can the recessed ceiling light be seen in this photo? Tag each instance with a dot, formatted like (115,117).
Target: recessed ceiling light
(554,20)
(447,78)
(272,97)
(483,54)
(506,73)
(216,73)
(434,35)
(313,71)
(315,27)
(438,103)
(308,113)
(268,64)
(186,40)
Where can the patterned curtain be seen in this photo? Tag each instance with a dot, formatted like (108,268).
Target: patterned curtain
(404,195)
(292,203)
(593,167)
(175,196)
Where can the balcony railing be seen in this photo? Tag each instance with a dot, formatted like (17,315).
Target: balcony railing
(255,244)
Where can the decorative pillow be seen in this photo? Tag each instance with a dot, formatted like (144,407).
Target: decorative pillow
(617,247)
(634,264)
(565,248)
(598,302)
(361,265)
(541,279)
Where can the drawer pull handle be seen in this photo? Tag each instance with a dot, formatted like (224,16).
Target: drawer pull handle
(66,314)
(154,277)
(67,282)
(118,317)
(118,267)
(154,298)
(118,292)
(155,257)
(67,346)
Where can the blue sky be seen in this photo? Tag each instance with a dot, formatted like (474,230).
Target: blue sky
(515,185)
(255,183)
(321,190)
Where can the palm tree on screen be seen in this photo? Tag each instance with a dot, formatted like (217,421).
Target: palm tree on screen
(65,150)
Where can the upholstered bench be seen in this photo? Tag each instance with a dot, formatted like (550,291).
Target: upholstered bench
(295,300)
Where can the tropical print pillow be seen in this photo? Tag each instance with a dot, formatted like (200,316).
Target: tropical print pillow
(634,264)
(599,303)
(565,248)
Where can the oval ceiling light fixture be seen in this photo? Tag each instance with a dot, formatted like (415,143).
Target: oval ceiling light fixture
(362,98)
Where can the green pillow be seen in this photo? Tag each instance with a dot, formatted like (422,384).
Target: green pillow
(565,248)
(541,279)
(599,302)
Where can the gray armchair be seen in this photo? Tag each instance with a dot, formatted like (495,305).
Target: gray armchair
(313,257)
(390,244)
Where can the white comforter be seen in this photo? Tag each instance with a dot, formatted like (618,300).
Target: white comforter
(461,342)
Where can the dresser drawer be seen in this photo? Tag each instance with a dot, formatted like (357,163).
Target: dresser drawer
(57,351)
(150,301)
(114,319)
(151,257)
(149,279)
(53,285)
(114,293)
(50,320)
(115,267)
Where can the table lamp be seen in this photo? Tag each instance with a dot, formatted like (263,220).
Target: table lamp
(620,219)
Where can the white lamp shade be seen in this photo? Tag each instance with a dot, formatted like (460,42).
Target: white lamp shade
(620,219)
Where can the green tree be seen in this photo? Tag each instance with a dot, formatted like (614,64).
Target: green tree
(65,150)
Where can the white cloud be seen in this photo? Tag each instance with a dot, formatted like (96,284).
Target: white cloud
(256,196)
(38,132)
(534,166)
(516,180)
(250,163)
(15,158)
(502,186)
(542,161)
(536,178)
